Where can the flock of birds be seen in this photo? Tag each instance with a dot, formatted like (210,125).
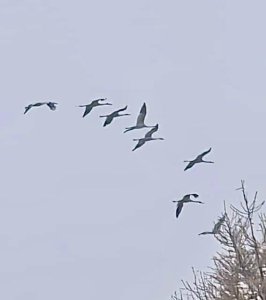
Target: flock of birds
(140,123)
(109,118)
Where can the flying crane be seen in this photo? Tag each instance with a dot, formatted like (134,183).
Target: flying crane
(94,103)
(185,199)
(198,159)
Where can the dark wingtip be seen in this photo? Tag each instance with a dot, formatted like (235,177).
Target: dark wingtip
(144,106)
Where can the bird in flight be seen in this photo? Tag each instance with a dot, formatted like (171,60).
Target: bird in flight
(51,105)
(147,137)
(198,159)
(115,114)
(186,199)
(216,227)
(140,120)
(94,103)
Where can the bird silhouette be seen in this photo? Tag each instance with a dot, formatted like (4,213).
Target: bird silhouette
(198,159)
(140,120)
(148,137)
(51,105)
(216,227)
(94,103)
(185,199)
(115,114)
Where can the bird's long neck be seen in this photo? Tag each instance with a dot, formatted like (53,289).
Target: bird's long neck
(206,232)
(129,128)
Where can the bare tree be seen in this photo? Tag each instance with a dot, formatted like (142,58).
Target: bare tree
(239,269)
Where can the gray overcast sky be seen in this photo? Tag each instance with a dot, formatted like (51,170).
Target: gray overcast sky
(81,215)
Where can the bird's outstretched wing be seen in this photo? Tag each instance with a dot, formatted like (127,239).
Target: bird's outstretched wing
(114,114)
(190,165)
(119,110)
(204,153)
(187,196)
(142,114)
(52,105)
(151,132)
(179,209)
(108,120)
(140,143)
(27,108)
(195,195)
(38,104)
(87,110)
